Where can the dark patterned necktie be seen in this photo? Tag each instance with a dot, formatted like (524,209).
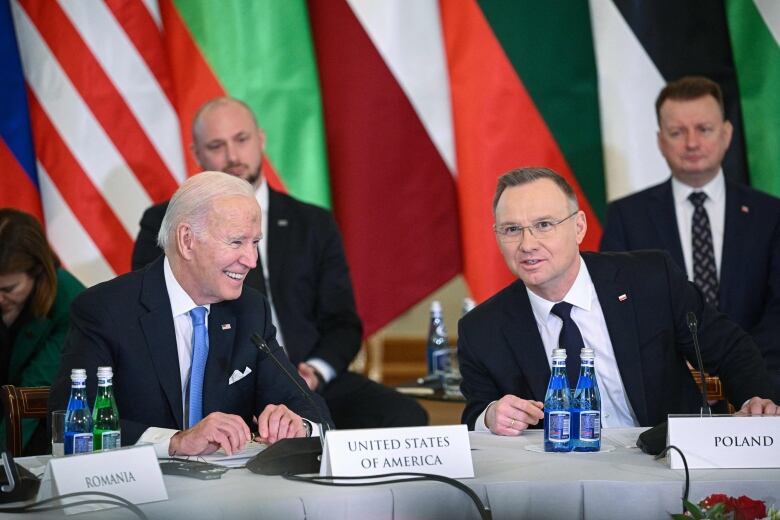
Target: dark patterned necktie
(705,275)
(571,340)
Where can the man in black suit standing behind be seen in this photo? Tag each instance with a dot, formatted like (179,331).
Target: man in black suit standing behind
(177,334)
(725,235)
(302,270)
(631,308)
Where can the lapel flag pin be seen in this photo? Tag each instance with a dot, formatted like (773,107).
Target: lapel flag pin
(622,298)
(282,222)
(745,209)
(226,326)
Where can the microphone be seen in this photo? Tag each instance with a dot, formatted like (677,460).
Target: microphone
(653,441)
(289,456)
(260,343)
(693,326)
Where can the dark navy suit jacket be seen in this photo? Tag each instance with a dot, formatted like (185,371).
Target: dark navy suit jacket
(127,323)
(749,290)
(501,351)
(310,282)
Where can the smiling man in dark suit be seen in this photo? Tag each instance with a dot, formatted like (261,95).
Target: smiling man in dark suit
(743,248)
(177,334)
(629,307)
(303,272)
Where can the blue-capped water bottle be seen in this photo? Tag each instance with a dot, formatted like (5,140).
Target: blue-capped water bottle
(437,338)
(78,420)
(557,404)
(586,406)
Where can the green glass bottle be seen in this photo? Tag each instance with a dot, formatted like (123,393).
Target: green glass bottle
(105,416)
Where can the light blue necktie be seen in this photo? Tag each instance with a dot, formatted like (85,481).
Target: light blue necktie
(200,352)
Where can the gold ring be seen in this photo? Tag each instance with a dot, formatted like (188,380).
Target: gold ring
(512,423)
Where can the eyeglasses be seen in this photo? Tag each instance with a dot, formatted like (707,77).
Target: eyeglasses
(509,233)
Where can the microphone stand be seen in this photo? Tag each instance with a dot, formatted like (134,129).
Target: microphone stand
(693,327)
(322,426)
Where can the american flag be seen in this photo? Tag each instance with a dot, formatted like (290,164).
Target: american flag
(107,134)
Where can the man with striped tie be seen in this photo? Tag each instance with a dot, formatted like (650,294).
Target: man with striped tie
(725,235)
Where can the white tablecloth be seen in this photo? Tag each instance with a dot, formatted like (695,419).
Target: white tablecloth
(516,483)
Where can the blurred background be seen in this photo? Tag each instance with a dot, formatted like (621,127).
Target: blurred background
(399,115)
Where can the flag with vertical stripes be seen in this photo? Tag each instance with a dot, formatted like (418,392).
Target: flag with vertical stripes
(400,115)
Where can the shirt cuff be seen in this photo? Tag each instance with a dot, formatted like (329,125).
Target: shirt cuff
(159,438)
(323,368)
(479,424)
(316,427)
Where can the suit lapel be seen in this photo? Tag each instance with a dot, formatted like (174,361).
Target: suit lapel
(279,223)
(620,316)
(664,217)
(222,338)
(157,326)
(525,343)
(735,232)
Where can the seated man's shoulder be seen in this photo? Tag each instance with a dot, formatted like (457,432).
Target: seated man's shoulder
(310,213)
(486,312)
(119,291)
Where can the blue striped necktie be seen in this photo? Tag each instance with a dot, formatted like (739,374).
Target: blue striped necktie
(200,352)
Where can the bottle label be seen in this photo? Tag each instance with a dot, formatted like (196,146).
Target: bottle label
(590,425)
(82,443)
(559,426)
(111,440)
(441,360)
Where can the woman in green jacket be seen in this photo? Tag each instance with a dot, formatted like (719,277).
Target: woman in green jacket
(35,297)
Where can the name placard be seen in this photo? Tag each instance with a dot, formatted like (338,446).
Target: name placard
(725,441)
(132,473)
(441,450)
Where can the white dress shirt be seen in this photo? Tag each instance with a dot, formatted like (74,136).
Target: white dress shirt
(586,312)
(715,204)
(181,305)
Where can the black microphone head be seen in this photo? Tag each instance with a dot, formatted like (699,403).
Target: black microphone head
(692,321)
(260,343)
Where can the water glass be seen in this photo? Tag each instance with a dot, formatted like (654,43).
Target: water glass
(58,433)
(450,375)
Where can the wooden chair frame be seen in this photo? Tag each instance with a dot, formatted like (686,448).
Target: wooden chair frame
(22,403)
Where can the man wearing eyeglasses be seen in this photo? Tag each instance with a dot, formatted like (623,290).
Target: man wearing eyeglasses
(629,307)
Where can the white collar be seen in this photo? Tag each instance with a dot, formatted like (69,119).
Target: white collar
(181,303)
(262,195)
(580,294)
(715,189)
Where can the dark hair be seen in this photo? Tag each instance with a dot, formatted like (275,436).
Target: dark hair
(520,176)
(689,88)
(24,249)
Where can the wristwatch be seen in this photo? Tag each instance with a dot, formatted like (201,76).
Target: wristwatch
(307,427)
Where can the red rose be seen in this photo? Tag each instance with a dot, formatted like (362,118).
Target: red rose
(745,508)
(717,498)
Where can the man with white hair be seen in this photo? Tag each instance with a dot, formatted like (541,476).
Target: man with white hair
(302,271)
(177,334)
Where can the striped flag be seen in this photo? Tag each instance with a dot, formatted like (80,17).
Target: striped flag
(399,115)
